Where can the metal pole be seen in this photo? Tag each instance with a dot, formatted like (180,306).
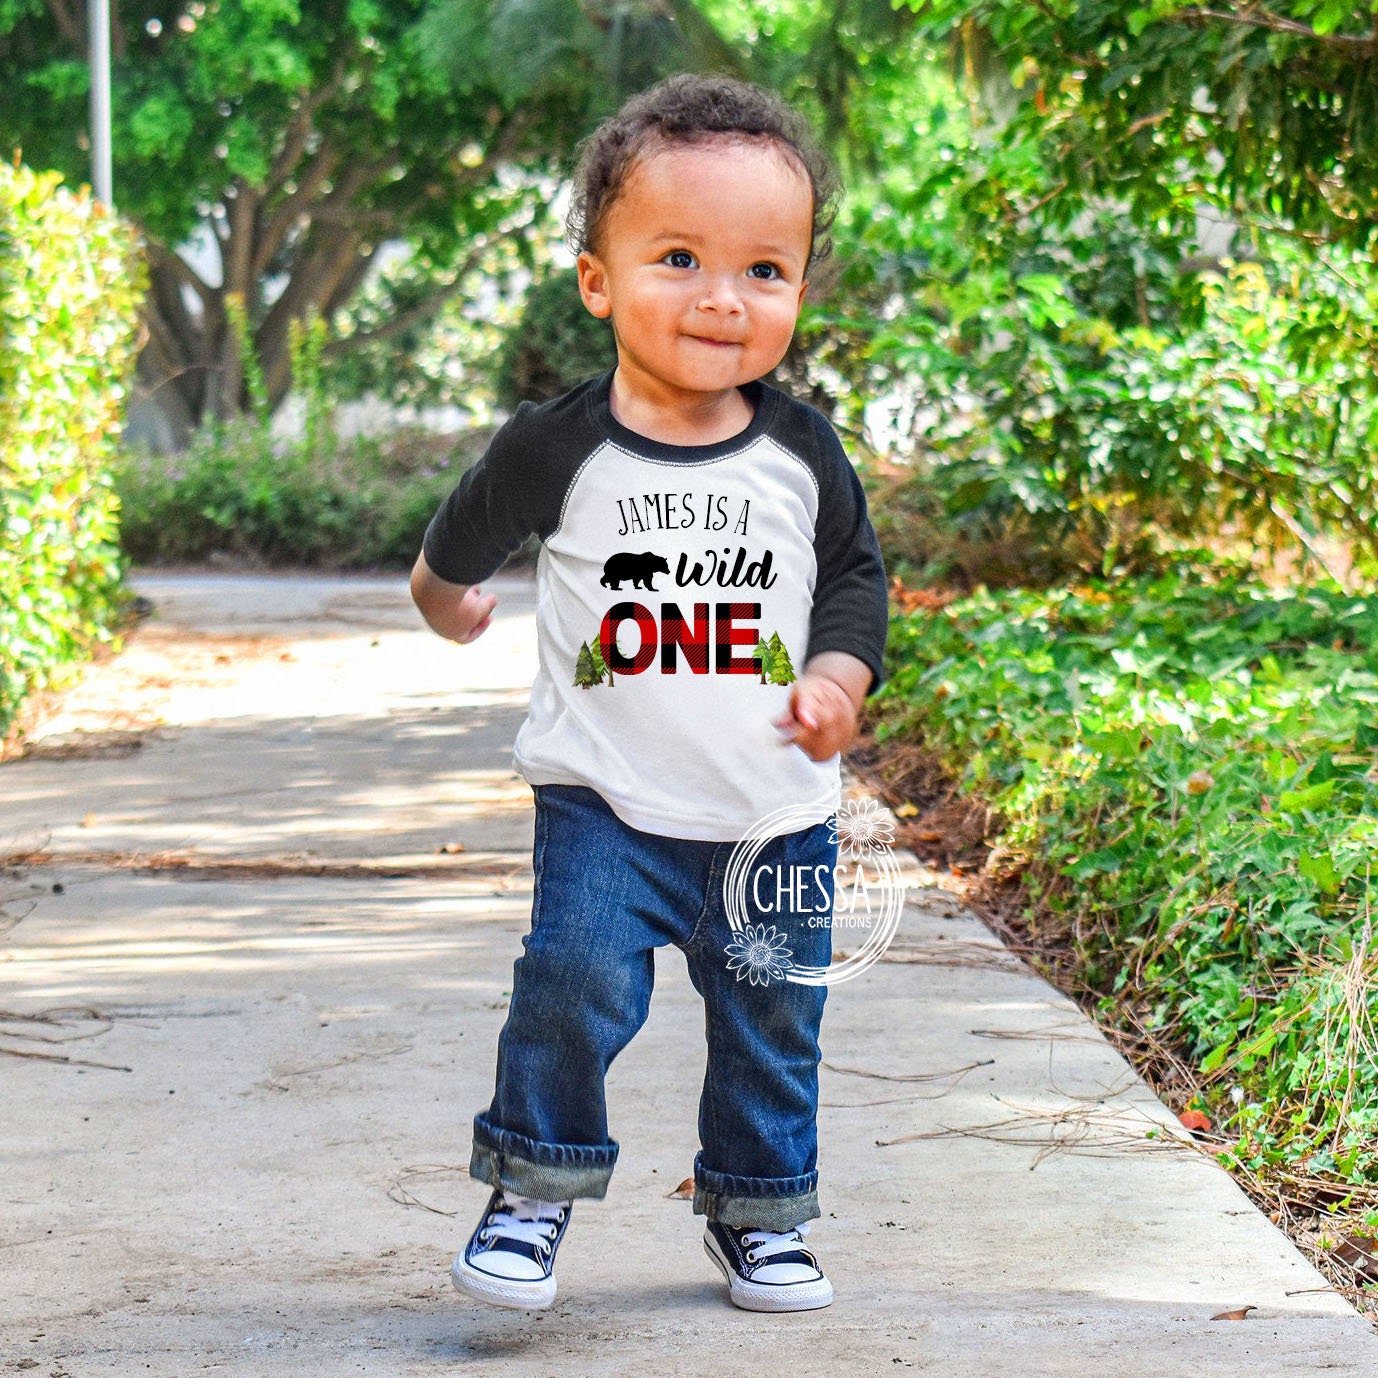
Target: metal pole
(99,14)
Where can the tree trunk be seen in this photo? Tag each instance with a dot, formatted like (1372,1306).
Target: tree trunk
(312,222)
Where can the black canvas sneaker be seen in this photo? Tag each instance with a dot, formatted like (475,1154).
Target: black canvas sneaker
(509,1261)
(766,1270)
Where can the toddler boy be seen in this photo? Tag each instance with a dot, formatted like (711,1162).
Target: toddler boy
(702,534)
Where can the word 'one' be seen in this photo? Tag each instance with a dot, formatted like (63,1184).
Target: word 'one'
(730,634)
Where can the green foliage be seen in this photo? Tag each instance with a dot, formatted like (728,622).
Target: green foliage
(1059,392)
(554,345)
(392,340)
(224,99)
(577,61)
(1269,112)
(70,286)
(308,136)
(1188,771)
(307,343)
(315,500)
(1092,454)
(254,386)
(320,502)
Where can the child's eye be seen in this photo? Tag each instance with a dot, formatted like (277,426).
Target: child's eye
(680,258)
(764,271)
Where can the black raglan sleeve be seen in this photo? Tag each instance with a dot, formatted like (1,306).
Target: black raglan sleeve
(494,508)
(850,597)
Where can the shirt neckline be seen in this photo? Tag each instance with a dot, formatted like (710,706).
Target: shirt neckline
(760,397)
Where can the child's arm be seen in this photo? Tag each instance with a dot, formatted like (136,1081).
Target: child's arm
(824,702)
(849,618)
(458,612)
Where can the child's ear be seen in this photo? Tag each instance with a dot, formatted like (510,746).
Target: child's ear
(593,285)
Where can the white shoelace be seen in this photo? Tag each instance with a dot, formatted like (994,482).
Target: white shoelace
(527,1219)
(766,1244)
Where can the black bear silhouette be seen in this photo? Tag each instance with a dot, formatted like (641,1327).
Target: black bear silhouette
(640,569)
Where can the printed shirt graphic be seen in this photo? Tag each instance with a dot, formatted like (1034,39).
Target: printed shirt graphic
(680,589)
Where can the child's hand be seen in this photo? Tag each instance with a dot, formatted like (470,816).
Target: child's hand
(822,717)
(824,702)
(458,612)
(473,614)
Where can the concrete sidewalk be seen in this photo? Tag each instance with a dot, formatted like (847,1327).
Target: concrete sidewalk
(277,874)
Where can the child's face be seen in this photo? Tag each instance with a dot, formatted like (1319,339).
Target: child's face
(700,264)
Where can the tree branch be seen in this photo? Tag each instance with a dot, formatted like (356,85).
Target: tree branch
(1019,212)
(178,343)
(349,283)
(299,130)
(243,212)
(67,23)
(285,214)
(165,293)
(119,48)
(165,260)
(1144,121)
(1291,523)
(313,281)
(164,363)
(429,307)
(1363,44)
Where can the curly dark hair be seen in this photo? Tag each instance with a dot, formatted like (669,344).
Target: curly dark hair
(689,109)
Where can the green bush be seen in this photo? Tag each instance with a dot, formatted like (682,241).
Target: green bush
(555,344)
(1188,773)
(331,504)
(1113,452)
(1065,394)
(70,285)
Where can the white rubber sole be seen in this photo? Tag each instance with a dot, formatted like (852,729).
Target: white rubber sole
(509,1292)
(765,1296)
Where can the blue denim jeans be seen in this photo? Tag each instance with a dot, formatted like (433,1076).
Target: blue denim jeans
(606,895)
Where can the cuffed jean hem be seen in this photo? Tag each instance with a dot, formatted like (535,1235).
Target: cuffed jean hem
(763,1203)
(548,1172)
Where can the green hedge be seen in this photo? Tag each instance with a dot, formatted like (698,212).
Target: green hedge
(362,503)
(1190,774)
(70,285)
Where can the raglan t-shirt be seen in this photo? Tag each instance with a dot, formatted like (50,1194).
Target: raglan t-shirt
(679,591)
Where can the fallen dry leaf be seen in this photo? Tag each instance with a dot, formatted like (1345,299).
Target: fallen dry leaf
(683,1192)
(1360,1251)
(911,600)
(1195,1120)
(1237,1315)
(1199,781)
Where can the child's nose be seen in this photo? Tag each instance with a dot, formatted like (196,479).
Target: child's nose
(720,295)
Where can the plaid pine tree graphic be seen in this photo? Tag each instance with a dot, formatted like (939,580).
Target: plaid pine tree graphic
(590,668)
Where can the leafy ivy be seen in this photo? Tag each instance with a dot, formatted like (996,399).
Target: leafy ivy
(1190,773)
